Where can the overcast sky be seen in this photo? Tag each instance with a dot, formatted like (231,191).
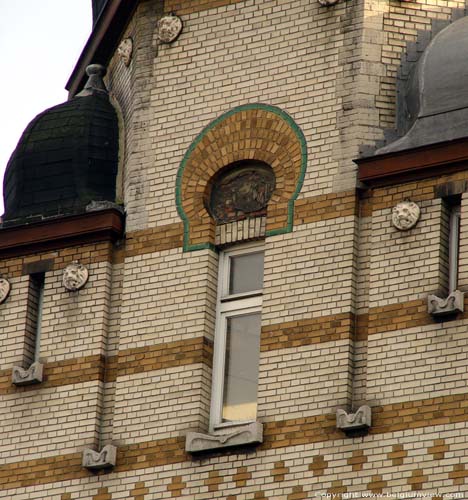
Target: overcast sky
(40,42)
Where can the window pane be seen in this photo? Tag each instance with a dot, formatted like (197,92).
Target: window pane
(246,273)
(241,367)
(454,243)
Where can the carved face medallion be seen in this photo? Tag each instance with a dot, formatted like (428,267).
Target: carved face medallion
(5,288)
(405,215)
(75,276)
(169,28)
(125,50)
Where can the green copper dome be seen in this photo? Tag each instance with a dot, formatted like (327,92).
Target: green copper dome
(66,159)
(437,98)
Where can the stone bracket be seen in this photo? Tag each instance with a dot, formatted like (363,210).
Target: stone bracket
(240,435)
(354,424)
(32,375)
(105,459)
(453,304)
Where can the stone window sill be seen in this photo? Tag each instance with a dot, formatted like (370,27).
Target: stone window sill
(225,437)
(32,375)
(99,460)
(451,305)
(354,424)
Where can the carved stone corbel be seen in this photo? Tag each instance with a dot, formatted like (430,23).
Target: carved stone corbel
(248,434)
(28,376)
(354,424)
(453,304)
(105,459)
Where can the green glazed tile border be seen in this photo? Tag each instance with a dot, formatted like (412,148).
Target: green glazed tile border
(245,107)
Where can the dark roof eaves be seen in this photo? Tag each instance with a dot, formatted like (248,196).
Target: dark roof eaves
(102,42)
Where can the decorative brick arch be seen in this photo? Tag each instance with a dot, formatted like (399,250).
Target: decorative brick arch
(249,132)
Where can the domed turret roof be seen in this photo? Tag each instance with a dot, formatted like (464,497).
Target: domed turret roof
(438,95)
(66,158)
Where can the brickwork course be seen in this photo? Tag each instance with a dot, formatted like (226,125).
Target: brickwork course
(128,359)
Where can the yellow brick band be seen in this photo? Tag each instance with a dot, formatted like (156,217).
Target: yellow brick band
(156,239)
(170,236)
(307,332)
(325,207)
(418,191)
(67,372)
(128,362)
(85,254)
(160,356)
(398,316)
(282,434)
(286,335)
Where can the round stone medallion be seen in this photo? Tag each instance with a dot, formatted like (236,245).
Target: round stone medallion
(405,215)
(75,276)
(5,288)
(242,191)
(169,28)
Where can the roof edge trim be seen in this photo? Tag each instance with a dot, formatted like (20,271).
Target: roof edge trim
(397,167)
(103,225)
(102,41)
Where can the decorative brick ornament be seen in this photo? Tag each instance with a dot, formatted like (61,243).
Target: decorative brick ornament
(125,50)
(169,28)
(243,190)
(5,288)
(240,435)
(250,132)
(29,376)
(405,215)
(452,304)
(97,460)
(354,424)
(75,276)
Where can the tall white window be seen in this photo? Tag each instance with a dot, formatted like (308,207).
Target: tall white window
(454,245)
(237,336)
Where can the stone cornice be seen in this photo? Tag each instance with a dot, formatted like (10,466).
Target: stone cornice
(412,164)
(61,232)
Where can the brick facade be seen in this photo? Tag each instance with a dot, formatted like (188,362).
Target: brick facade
(128,359)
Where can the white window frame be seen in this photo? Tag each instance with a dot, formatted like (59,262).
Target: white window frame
(229,306)
(454,245)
